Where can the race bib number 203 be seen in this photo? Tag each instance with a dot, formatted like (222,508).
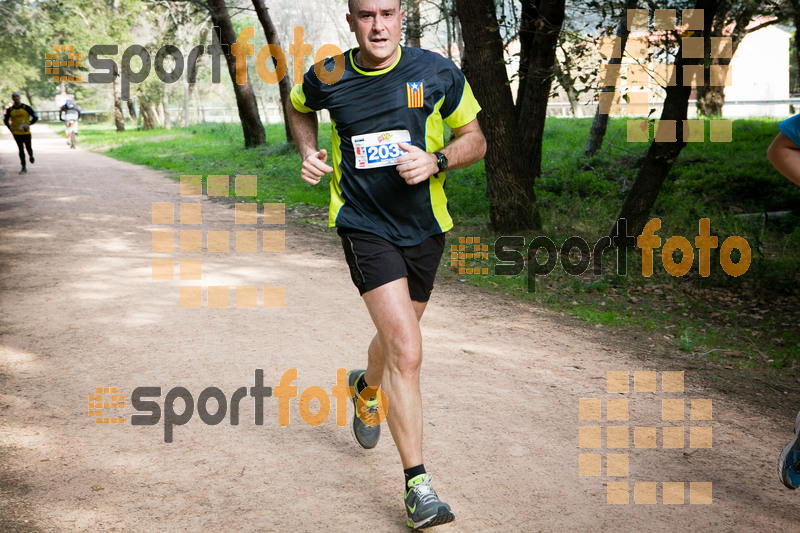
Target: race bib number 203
(379,149)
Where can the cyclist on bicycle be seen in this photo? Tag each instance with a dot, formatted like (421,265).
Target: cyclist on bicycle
(70,113)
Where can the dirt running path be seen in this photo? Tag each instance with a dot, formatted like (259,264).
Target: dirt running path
(501,383)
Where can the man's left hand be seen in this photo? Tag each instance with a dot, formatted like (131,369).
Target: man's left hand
(416,165)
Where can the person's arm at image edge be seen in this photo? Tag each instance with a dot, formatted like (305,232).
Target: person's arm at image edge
(785,157)
(304,132)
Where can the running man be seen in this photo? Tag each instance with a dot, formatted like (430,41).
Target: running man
(784,154)
(389,208)
(18,119)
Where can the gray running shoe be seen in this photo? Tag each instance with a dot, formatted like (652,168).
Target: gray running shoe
(789,461)
(366,436)
(423,506)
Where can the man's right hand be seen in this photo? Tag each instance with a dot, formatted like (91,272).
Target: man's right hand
(314,167)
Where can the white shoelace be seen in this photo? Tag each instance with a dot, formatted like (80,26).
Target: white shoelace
(425,493)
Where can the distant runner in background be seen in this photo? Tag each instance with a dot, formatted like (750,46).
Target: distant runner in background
(69,114)
(18,119)
(784,154)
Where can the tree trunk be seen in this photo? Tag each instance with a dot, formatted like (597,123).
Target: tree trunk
(511,203)
(264,108)
(567,82)
(193,92)
(457,37)
(600,123)
(796,20)
(575,104)
(154,111)
(201,110)
(190,89)
(119,118)
(448,22)
(245,97)
(284,85)
(662,155)
(28,96)
(187,96)
(164,106)
(131,109)
(526,33)
(711,98)
(149,115)
(546,18)
(413,25)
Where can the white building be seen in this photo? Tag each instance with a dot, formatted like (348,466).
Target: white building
(759,71)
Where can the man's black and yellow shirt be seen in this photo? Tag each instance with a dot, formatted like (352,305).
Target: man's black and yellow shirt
(419,92)
(17,117)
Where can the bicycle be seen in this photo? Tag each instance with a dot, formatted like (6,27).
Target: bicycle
(71,120)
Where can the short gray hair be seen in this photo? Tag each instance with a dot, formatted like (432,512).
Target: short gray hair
(351,5)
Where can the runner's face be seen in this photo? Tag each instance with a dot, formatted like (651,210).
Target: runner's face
(15,98)
(377,25)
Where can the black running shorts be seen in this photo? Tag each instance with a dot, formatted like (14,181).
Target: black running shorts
(374,261)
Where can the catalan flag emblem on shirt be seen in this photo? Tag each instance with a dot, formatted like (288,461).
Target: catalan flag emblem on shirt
(414,89)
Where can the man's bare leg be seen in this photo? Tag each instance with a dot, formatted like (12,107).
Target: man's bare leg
(376,359)
(395,356)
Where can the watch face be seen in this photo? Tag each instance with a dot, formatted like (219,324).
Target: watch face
(442,161)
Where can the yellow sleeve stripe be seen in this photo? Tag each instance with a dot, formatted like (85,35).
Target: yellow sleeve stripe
(466,111)
(299,99)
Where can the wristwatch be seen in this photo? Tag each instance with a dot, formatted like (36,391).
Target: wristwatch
(441,161)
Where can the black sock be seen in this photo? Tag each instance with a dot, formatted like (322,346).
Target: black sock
(413,472)
(361,383)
